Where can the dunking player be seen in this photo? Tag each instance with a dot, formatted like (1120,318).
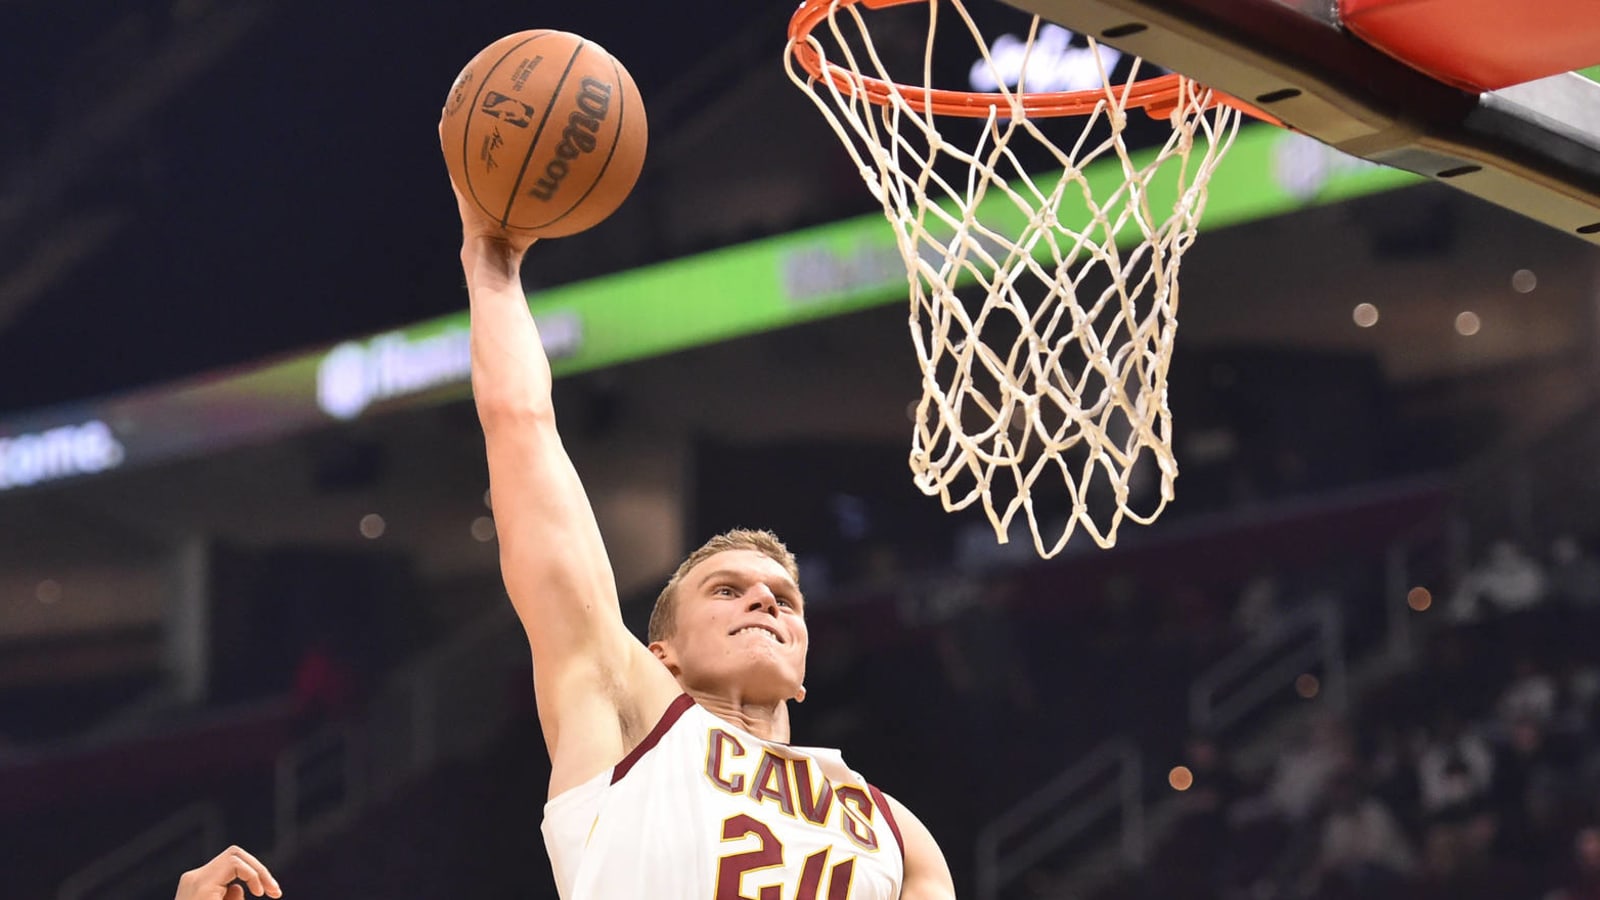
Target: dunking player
(672,773)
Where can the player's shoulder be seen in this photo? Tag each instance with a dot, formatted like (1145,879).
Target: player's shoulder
(927,874)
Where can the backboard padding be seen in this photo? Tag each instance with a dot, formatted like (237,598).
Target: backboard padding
(1533,148)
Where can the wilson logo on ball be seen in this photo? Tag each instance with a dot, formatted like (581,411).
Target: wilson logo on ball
(507,109)
(594,102)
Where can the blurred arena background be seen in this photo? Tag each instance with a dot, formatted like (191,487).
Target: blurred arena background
(248,577)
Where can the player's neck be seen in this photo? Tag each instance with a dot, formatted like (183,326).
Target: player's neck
(764,720)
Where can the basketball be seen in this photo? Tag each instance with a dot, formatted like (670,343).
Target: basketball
(545,132)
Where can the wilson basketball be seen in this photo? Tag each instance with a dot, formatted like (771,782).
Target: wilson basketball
(545,132)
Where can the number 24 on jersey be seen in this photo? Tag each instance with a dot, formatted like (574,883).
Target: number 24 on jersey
(732,868)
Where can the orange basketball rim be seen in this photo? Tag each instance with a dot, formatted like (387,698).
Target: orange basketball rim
(1158,96)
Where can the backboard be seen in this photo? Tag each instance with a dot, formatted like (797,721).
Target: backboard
(1460,91)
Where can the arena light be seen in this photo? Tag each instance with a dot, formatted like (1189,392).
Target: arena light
(1307,686)
(1180,778)
(483,530)
(48,592)
(1053,65)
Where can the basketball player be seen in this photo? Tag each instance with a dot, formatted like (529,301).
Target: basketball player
(672,773)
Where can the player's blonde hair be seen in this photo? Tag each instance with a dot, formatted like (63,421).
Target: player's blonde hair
(663,618)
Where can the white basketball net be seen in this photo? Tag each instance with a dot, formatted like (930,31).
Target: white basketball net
(1057,379)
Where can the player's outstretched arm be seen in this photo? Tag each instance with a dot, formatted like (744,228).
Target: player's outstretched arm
(927,874)
(598,689)
(227,877)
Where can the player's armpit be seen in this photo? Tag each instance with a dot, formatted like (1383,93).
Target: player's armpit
(927,874)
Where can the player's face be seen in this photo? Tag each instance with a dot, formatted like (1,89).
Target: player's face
(740,627)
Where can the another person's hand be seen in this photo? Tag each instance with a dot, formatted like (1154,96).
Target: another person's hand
(228,877)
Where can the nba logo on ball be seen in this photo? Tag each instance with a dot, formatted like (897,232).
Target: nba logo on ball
(513,112)
(544,132)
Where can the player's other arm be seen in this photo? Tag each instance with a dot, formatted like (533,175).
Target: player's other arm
(593,680)
(927,874)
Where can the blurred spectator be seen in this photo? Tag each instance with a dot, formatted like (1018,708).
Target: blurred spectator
(979,654)
(1363,850)
(1580,689)
(1453,678)
(1584,882)
(1458,867)
(1306,767)
(1197,847)
(881,568)
(324,686)
(1216,784)
(1127,611)
(1454,772)
(1259,612)
(1509,581)
(1192,618)
(1192,858)
(1392,772)
(1531,696)
(1574,574)
(1479,806)
(1529,783)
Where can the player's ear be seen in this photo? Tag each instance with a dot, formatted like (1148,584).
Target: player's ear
(801,696)
(663,652)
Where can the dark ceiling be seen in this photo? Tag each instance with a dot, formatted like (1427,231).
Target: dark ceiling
(194,184)
(187,184)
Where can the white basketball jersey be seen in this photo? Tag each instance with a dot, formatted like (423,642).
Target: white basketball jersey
(704,810)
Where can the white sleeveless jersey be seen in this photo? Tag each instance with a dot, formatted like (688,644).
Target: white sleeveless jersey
(704,810)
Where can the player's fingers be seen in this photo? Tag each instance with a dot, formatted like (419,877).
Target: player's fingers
(252,879)
(230,865)
(234,892)
(269,882)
